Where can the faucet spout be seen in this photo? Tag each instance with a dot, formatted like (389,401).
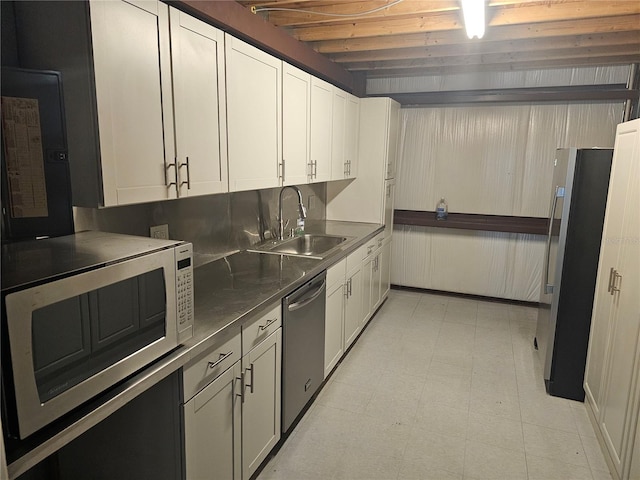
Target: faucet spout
(302,211)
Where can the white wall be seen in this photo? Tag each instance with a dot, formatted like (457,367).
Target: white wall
(487,160)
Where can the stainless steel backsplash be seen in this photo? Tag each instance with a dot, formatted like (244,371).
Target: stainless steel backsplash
(215,224)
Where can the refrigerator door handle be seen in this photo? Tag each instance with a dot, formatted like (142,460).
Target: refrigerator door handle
(559,193)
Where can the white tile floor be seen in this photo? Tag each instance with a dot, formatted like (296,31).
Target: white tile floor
(441,388)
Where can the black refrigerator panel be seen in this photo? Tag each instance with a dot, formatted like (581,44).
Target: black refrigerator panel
(36,186)
(564,319)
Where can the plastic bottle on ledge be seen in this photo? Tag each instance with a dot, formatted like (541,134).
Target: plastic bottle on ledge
(299,227)
(442,211)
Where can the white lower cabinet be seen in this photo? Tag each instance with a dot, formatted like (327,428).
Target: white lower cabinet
(376,274)
(232,402)
(212,418)
(343,315)
(334,317)
(612,377)
(261,402)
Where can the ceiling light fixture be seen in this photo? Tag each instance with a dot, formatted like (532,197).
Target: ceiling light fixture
(473,13)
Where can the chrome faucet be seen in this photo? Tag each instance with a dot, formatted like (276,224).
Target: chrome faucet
(301,210)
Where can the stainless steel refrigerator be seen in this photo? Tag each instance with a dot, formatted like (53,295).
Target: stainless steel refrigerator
(578,198)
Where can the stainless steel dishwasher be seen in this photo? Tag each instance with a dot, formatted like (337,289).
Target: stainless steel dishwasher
(302,347)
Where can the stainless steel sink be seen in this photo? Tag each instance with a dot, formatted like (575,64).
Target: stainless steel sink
(308,245)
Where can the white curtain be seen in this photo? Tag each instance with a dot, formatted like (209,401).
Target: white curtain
(494,160)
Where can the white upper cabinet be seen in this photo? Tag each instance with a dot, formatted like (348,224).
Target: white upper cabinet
(338,163)
(296,119)
(346,121)
(363,199)
(321,118)
(254,121)
(197,56)
(351,135)
(133,93)
(115,61)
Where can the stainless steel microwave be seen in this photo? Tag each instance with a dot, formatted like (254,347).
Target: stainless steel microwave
(83,312)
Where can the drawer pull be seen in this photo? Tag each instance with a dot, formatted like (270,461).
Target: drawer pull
(223,356)
(241,380)
(268,324)
(250,385)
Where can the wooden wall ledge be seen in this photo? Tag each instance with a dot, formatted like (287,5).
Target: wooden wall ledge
(471,221)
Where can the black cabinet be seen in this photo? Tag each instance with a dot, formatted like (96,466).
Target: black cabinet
(141,440)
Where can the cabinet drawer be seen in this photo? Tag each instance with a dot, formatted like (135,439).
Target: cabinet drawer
(203,369)
(336,273)
(355,259)
(257,331)
(374,244)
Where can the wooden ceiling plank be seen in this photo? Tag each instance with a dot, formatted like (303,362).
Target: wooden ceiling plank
(477,48)
(524,14)
(504,33)
(355,9)
(515,66)
(499,58)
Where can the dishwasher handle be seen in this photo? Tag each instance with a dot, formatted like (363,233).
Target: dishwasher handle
(308,298)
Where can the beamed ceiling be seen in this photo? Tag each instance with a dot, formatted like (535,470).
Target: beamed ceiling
(418,37)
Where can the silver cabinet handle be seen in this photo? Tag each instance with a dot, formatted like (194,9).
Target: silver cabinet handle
(268,324)
(611,277)
(380,241)
(188,182)
(315,169)
(349,286)
(250,385)
(222,358)
(241,394)
(615,288)
(281,168)
(370,249)
(166,173)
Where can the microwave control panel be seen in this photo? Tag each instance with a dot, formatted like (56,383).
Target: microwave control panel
(184,290)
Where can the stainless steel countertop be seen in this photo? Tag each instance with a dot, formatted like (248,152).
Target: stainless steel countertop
(229,292)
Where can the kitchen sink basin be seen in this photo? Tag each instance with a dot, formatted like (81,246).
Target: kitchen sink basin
(308,245)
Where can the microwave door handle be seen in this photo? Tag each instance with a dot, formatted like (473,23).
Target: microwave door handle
(548,287)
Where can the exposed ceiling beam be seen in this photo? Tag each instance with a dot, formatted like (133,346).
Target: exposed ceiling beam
(515,66)
(612,40)
(530,94)
(632,51)
(629,23)
(526,13)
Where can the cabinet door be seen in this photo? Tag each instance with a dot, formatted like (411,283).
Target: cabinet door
(296,124)
(376,281)
(353,307)
(338,162)
(618,414)
(333,328)
(385,269)
(197,56)
(133,95)
(321,117)
(261,406)
(367,284)
(254,122)
(212,418)
(393,134)
(389,190)
(351,134)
